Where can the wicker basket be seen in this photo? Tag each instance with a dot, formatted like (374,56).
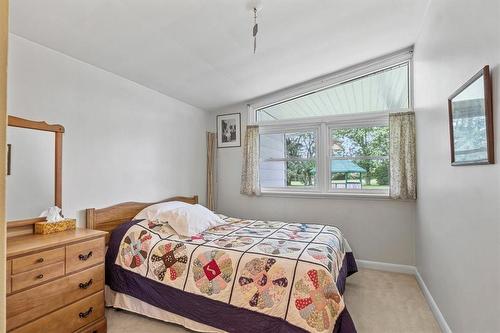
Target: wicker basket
(49,228)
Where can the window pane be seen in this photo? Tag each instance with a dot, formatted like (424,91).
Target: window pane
(359,174)
(301,145)
(380,91)
(272,146)
(352,142)
(272,174)
(301,173)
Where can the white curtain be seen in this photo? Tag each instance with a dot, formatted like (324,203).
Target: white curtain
(403,156)
(211,170)
(250,170)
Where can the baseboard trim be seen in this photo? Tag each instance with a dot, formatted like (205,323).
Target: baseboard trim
(432,304)
(412,270)
(383,266)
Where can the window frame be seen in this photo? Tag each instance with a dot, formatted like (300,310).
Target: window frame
(290,130)
(323,127)
(325,123)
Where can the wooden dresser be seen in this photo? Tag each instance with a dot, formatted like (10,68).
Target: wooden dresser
(55,282)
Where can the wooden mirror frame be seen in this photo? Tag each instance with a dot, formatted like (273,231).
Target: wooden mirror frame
(23,226)
(488,113)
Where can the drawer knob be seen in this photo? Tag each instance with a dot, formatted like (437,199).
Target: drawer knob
(85,285)
(86,313)
(39,260)
(84,257)
(40,276)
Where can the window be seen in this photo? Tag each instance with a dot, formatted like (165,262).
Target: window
(289,159)
(384,90)
(359,158)
(335,138)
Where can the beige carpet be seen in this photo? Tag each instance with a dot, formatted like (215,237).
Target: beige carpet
(378,302)
(388,302)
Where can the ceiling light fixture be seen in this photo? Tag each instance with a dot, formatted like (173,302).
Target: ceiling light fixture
(255,6)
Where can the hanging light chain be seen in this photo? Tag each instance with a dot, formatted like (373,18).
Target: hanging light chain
(255,29)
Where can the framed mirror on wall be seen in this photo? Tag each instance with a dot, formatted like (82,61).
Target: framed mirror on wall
(35,180)
(30,173)
(470,111)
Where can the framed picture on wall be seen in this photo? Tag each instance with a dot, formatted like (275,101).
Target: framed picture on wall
(229,130)
(470,111)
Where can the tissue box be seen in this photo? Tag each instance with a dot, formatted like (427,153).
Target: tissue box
(48,228)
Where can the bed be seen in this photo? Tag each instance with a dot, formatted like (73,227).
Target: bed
(242,276)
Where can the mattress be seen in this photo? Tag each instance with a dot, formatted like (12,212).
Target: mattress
(243,276)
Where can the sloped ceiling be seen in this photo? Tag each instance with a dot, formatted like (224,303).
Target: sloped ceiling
(200,51)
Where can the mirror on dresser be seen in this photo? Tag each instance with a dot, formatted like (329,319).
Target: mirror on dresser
(34,172)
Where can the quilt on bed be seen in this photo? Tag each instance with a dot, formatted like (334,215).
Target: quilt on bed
(284,270)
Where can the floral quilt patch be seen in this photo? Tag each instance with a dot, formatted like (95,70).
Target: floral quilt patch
(169,261)
(263,282)
(317,299)
(234,241)
(135,248)
(279,247)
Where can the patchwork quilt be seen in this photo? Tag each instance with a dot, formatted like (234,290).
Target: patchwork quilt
(284,270)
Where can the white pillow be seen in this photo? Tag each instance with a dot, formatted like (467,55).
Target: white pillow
(151,212)
(191,220)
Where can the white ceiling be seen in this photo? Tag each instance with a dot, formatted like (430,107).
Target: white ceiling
(200,51)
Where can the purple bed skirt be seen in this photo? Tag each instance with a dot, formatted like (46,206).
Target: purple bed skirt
(204,310)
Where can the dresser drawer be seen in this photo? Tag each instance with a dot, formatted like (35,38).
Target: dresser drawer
(99,327)
(38,301)
(84,254)
(70,318)
(37,276)
(37,260)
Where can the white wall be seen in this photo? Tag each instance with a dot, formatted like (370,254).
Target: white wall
(458,210)
(123,141)
(378,230)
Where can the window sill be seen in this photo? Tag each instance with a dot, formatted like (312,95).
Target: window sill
(339,195)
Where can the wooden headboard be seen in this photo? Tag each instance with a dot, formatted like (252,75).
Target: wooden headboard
(107,219)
